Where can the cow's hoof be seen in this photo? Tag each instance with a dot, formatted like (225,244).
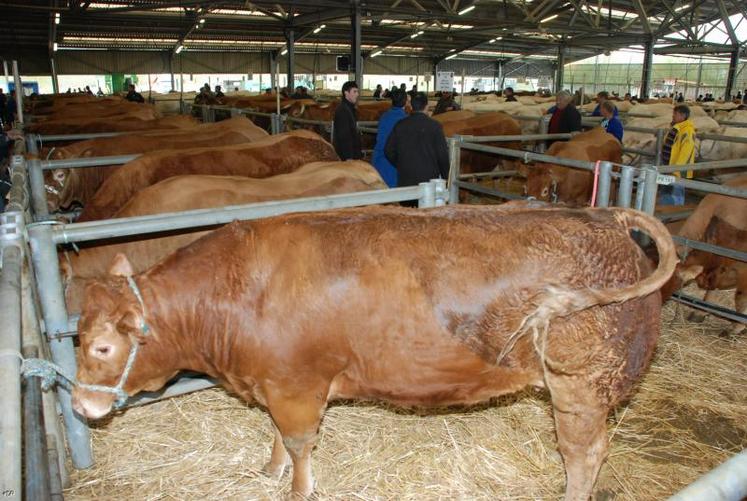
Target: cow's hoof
(696,317)
(275,472)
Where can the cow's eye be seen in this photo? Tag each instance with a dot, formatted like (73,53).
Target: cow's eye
(102,350)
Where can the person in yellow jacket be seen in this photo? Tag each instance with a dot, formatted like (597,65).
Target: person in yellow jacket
(678,149)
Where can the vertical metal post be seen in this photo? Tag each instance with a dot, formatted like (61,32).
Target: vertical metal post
(356,58)
(273,76)
(290,38)
(38,192)
(648,60)
(19,92)
(427,195)
(605,182)
(442,193)
(32,336)
(11,231)
(700,77)
(544,126)
(625,189)
(660,133)
(454,168)
(561,68)
(52,298)
(650,189)
(274,129)
(640,189)
(55,81)
(731,79)
(7,78)
(36,464)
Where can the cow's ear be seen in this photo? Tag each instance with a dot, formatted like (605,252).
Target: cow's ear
(121,266)
(130,324)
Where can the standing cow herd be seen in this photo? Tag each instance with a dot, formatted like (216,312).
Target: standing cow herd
(417,307)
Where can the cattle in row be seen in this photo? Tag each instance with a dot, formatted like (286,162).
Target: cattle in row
(180,193)
(117,123)
(102,110)
(448,306)
(557,183)
(647,141)
(485,124)
(451,116)
(732,210)
(66,187)
(274,155)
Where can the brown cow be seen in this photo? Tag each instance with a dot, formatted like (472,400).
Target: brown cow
(556,183)
(487,124)
(451,116)
(277,154)
(118,123)
(732,210)
(68,186)
(453,305)
(182,193)
(713,272)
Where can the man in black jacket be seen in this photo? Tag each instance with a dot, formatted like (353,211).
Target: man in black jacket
(417,146)
(346,139)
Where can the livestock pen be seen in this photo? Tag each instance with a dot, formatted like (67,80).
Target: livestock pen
(677,426)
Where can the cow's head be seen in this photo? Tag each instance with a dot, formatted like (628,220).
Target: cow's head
(541,183)
(111,324)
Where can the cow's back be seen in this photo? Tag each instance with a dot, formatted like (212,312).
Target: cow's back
(277,154)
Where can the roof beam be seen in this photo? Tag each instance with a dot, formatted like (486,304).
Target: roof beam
(320,16)
(727,22)
(642,16)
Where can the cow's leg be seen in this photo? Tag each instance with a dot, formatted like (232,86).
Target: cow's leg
(279,459)
(740,301)
(581,426)
(297,418)
(698,316)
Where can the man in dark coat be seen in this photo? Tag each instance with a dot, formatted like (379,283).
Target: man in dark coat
(346,139)
(134,96)
(417,146)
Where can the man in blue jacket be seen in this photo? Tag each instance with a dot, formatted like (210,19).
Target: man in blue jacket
(387,121)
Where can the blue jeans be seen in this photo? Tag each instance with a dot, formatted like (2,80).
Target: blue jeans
(672,195)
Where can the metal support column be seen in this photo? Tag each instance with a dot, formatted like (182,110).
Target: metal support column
(52,298)
(560,71)
(11,252)
(650,188)
(356,58)
(700,77)
(625,190)
(731,79)
(648,60)
(55,80)
(273,76)
(171,70)
(454,158)
(38,192)
(19,92)
(605,183)
(290,38)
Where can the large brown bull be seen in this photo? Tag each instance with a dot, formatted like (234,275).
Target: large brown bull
(453,305)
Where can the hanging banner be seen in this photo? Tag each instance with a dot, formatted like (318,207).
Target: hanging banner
(445,81)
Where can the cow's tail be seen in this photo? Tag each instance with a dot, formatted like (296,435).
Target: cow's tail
(560,301)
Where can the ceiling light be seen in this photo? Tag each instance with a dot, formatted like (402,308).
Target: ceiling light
(179,48)
(57,18)
(377,53)
(284,52)
(549,18)
(467,9)
(202,21)
(450,57)
(54,47)
(495,39)
(415,35)
(320,28)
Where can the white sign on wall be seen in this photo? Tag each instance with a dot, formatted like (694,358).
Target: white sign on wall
(445,81)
